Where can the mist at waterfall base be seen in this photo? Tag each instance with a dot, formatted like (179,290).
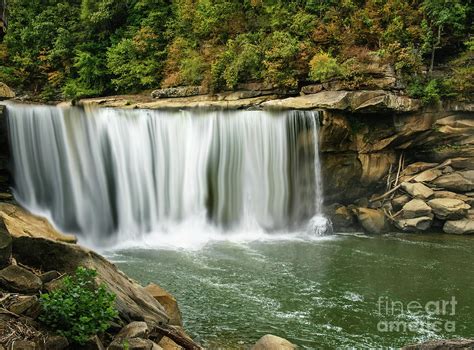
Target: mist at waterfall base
(167,178)
(223,210)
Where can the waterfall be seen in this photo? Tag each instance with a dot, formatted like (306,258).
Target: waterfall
(120,174)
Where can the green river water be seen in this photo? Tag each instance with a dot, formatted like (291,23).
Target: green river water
(335,292)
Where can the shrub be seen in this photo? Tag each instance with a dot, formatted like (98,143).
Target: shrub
(78,309)
(324,67)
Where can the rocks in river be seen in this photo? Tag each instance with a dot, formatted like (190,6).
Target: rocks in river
(449,208)
(372,220)
(416,224)
(168,302)
(415,208)
(272,342)
(459,227)
(417,190)
(18,279)
(461,181)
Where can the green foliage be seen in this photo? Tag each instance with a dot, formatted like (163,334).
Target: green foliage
(78,309)
(93,47)
(324,67)
(431,91)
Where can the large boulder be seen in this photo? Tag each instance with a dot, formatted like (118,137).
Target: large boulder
(461,181)
(6,92)
(5,245)
(415,225)
(134,329)
(417,190)
(272,342)
(19,222)
(459,227)
(168,302)
(400,201)
(132,301)
(415,208)
(133,344)
(449,208)
(18,279)
(372,220)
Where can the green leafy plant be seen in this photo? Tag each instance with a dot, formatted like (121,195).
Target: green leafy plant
(324,67)
(79,308)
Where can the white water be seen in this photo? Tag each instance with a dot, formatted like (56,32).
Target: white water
(123,176)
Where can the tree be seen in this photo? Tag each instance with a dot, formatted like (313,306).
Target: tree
(441,17)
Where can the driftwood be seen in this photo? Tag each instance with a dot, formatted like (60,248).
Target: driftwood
(446,163)
(175,334)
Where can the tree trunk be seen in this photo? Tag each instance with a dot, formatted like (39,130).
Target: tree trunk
(435,46)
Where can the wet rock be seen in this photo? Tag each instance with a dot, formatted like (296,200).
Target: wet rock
(372,220)
(180,91)
(442,344)
(272,342)
(18,279)
(341,217)
(413,225)
(400,201)
(5,245)
(134,330)
(459,227)
(461,181)
(415,208)
(448,208)
(417,190)
(168,302)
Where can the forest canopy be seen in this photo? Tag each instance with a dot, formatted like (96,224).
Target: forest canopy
(77,48)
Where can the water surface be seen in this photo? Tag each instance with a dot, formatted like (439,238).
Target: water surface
(320,293)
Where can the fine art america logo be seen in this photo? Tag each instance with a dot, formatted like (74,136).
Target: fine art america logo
(415,316)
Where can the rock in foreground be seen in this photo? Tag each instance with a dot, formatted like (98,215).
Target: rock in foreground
(272,342)
(451,344)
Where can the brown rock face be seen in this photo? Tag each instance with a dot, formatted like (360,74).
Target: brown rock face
(449,208)
(6,92)
(372,220)
(168,302)
(272,342)
(415,208)
(459,227)
(462,181)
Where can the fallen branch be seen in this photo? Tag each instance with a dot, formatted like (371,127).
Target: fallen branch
(446,163)
(176,335)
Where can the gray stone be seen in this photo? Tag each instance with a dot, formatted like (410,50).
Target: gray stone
(415,208)
(18,279)
(417,190)
(372,220)
(461,181)
(413,225)
(459,227)
(449,208)
(272,342)
(49,276)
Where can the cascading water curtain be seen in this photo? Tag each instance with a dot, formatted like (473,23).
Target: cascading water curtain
(107,173)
